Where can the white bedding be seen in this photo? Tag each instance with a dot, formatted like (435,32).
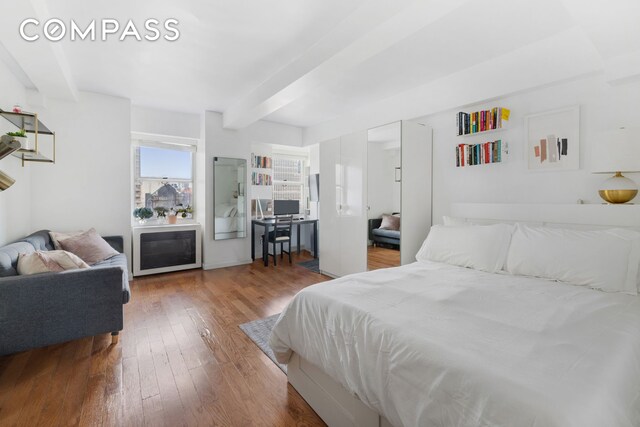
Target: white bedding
(226,224)
(430,344)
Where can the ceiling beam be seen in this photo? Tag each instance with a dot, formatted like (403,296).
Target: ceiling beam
(42,62)
(571,53)
(369,30)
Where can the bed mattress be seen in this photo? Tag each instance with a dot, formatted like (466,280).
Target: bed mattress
(430,344)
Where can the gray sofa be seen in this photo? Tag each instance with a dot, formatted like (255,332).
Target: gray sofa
(379,235)
(50,308)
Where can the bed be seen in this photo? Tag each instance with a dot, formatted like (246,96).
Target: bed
(433,344)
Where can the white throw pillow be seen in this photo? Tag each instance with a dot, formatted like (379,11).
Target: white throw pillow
(481,247)
(604,259)
(46,261)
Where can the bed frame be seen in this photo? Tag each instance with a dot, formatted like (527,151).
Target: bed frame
(339,408)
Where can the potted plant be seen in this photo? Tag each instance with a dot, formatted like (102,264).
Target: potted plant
(20,136)
(161,213)
(172,216)
(184,212)
(142,214)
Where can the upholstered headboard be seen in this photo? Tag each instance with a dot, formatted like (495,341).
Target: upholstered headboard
(588,216)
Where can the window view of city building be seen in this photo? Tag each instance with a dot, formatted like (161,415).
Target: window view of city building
(163,177)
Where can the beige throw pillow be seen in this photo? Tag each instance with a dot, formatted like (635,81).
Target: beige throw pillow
(57,236)
(46,261)
(390,222)
(89,246)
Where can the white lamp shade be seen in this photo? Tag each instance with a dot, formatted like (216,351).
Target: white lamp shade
(617,151)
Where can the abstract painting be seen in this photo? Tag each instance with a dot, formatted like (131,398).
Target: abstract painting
(553,140)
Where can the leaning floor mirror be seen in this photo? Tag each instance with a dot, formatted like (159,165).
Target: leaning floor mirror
(229,201)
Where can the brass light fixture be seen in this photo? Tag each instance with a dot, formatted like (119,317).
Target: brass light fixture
(7,146)
(5,181)
(617,152)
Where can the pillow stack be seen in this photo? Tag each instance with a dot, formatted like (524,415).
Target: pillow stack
(72,251)
(606,260)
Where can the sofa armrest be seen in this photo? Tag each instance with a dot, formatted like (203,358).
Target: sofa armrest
(49,308)
(373,224)
(116,242)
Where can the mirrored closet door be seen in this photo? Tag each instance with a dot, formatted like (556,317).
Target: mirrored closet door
(384,183)
(399,164)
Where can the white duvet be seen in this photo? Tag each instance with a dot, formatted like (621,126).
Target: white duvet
(430,344)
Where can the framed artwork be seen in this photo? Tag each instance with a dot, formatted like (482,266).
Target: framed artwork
(553,140)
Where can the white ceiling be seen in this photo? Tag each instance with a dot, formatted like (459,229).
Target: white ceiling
(306,62)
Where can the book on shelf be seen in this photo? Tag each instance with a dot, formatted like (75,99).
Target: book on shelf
(260,162)
(258,178)
(479,154)
(482,121)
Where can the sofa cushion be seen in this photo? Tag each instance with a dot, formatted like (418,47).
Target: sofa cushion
(393,234)
(9,257)
(119,260)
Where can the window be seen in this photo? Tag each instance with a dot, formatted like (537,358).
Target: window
(289,181)
(163,174)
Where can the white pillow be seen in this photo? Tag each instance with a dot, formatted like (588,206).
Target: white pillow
(604,259)
(225,210)
(481,247)
(45,261)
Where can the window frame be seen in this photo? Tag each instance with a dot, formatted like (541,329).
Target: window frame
(139,139)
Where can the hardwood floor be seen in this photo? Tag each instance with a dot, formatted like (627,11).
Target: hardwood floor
(181,359)
(378,257)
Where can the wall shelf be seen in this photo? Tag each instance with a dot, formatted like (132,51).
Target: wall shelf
(31,124)
(481,122)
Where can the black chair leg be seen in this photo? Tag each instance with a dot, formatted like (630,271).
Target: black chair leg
(275,256)
(281,250)
(289,252)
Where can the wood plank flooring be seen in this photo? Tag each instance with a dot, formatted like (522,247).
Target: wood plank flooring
(181,359)
(378,257)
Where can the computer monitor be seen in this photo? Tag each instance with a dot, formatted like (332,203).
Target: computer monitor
(286,207)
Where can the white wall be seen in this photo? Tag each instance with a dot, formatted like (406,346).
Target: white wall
(15,202)
(163,122)
(236,144)
(89,186)
(602,107)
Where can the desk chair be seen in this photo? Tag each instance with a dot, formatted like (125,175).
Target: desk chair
(281,235)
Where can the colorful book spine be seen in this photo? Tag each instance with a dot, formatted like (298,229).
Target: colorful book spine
(481,121)
(479,154)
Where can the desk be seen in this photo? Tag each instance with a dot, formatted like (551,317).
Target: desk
(269,223)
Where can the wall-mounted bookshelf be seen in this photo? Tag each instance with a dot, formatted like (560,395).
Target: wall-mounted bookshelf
(261,162)
(483,121)
(262,172)
(258,178)
(481,154)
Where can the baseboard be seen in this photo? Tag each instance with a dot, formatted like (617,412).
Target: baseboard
(225,264)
